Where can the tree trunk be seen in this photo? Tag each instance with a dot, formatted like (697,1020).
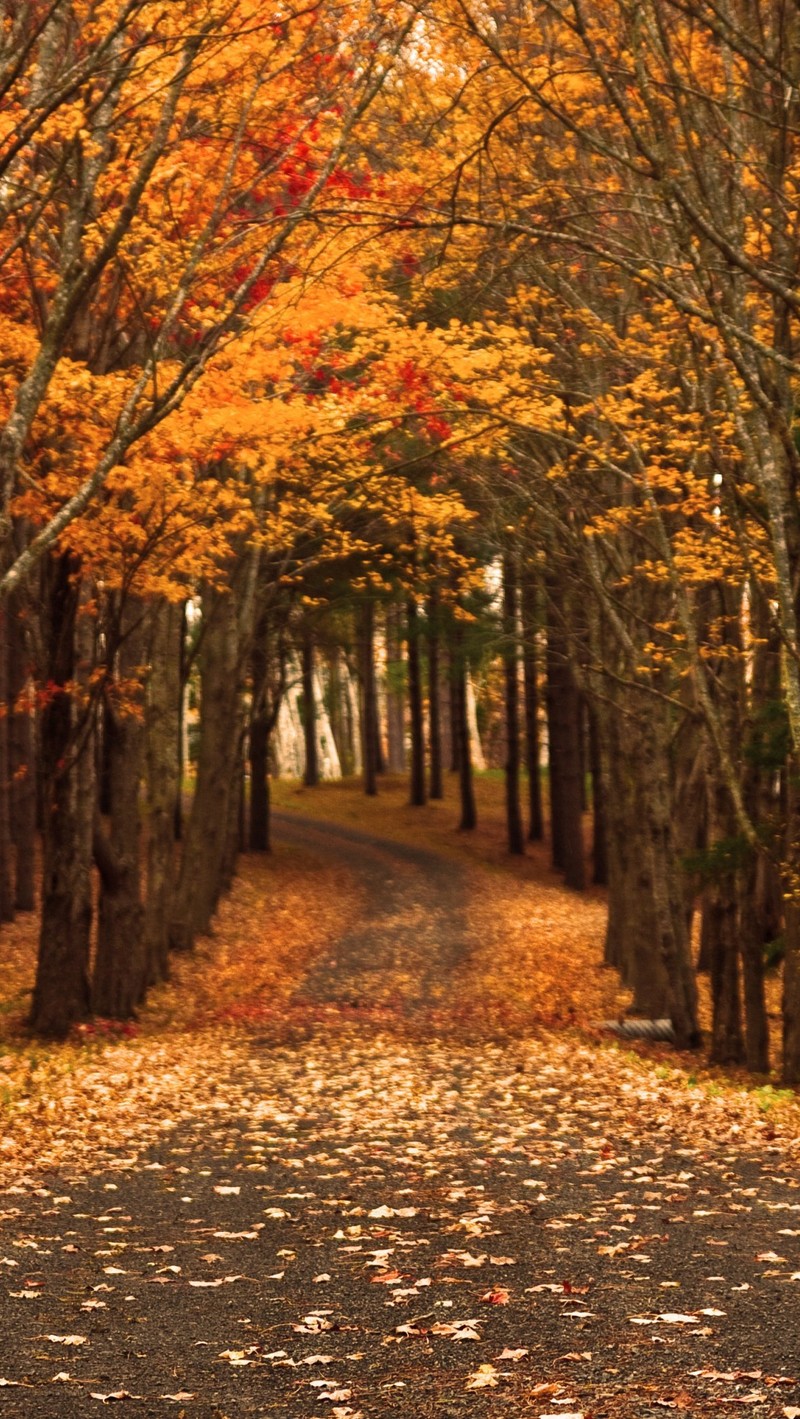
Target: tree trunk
(162,722)
(530,668)
(22,760)
(395,693)
(721,920)
(205,837)
(311,774)
(516,835)
(61,992)
(436,782)
(454,679)
(369,747)
(563,720)
(469,816)
(120,968)
(6,838)
(599,839)
(415,705)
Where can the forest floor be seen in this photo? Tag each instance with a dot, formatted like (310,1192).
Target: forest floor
(368,1155)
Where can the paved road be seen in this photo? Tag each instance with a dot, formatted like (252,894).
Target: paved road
(382,1222)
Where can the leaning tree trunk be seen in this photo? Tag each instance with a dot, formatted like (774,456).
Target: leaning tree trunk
(205,836)
(161,729)
(22,760)
(516,835)
(61,996)
(415,705)
(120,968)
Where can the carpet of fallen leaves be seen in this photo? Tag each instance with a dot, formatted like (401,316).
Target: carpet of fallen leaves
(116,1087)
(367,1154)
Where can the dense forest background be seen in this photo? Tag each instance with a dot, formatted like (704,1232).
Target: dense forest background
(357,356)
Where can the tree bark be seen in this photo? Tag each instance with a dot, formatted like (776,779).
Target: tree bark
(120,968)
(514,829)
(461,738)
(530,668)
(311,774)
(6,838)
(436,781)
(22,759)
(205,837)
(418,795)
(162,723)
(563,720)
(369,747)
(395,693)
(61,995)
(599,830)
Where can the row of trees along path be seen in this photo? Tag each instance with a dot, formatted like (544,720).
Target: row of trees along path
(307,353)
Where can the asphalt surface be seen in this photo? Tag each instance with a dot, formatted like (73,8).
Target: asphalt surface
(386,1218)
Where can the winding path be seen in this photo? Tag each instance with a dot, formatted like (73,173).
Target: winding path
(373,1223)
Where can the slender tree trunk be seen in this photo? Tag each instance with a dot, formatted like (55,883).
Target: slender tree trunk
(22,761)
(180,753)
(530,667)
(721,919)
(61,992)
(369,747)
(469,815)
(6,838)
(599,835)
(395,693)
(205,837)
(415,704)
(563,718)
(311,774)
(162,718)
(436,789)
(454,678)
(515,831)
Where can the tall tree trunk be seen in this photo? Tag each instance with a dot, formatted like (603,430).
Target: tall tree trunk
(721,921)
(436,789)
(454,678)
(368,690)
(415,705)
(22,760)
(120,968)
(180,745)
(162,720)
(563,720)
(61,994)
(516,835)
(395,693)
(311,774)
(205,837)
(530,667)
(599,832)
(6,838)
(469,815)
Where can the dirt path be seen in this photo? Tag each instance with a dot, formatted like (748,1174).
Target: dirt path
(381,1222)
